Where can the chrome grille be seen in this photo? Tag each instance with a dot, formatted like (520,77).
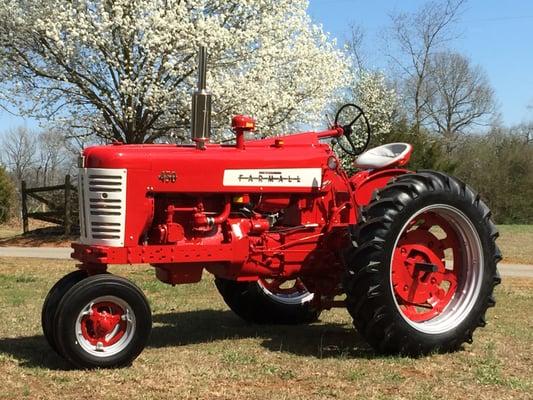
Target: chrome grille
(102,206)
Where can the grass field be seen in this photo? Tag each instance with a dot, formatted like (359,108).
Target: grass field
(199,350)
(516,243)
(9,231)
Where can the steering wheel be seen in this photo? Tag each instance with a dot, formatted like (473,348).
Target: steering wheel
(353,150)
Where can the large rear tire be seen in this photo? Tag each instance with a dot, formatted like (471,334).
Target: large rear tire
(103,321)
(421,274)
(266,302)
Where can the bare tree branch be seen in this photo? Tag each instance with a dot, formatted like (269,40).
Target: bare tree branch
(456,95)
(418,36)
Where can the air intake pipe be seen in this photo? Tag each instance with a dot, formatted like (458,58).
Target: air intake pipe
(201,105)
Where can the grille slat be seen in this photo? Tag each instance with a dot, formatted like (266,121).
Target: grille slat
(106,236)
(105,176)
(101,230)
(105,200)
(105,213)
(104,189)
(105,207)
(104,183)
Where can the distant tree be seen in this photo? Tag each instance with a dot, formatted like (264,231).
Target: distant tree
(428,151)
(54,160)
(19,150)
(369,89)
(7,195)
(378,100)
(354,46)
(524,131)
(500,166)
(456,96)
(37,158)
(418,36)
(125,69)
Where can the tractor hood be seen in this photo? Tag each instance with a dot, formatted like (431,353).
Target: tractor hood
(295,162)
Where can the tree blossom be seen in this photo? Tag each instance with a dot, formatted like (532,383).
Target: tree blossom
(125,69)
(379,101)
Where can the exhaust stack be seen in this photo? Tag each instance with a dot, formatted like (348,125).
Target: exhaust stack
(201,105)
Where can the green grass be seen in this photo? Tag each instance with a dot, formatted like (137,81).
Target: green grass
(516,243)
(199,349)
(7,231)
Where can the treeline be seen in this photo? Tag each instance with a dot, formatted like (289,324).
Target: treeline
(498,164)
(40,158)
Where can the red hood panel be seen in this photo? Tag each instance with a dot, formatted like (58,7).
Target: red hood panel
(203,170)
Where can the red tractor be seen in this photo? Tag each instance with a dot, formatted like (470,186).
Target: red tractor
(286,233)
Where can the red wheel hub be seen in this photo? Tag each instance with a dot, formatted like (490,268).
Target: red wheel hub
(105,323)
(422,282)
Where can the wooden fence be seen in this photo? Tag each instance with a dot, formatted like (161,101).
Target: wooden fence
(61,211)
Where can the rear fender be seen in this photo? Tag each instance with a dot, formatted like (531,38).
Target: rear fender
(366,182)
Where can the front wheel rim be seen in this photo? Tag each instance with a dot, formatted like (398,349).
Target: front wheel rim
(105,326)
(294,292)
(432,293)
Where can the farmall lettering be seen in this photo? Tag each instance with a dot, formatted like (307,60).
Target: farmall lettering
(285,231)
(271,177)
(287,177)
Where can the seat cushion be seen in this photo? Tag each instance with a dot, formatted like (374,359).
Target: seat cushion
(388,155)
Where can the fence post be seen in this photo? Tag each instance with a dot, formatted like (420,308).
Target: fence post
(24,210)
(68,222)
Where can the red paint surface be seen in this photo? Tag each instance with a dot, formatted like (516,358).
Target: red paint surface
(423,294)
(195,222)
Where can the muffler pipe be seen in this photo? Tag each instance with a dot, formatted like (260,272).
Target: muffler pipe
(201,105)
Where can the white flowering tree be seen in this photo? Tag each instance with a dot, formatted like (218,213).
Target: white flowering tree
(370,88)
(377,98)
(125,69)
(370,91)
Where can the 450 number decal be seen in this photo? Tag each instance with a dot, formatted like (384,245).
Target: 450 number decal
(167,176)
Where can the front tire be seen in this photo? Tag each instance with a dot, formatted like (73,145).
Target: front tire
(266,302)
(423,270)
(52,300)
(104,321)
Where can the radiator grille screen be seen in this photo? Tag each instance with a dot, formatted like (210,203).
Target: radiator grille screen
(102,205)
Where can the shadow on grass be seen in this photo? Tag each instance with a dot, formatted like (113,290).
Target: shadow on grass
(205,326)
(319,340)
(48,236)
(33,351)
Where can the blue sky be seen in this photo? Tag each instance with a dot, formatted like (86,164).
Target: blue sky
(496,34)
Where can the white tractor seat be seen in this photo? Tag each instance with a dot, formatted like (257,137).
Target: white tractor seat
(388,155)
